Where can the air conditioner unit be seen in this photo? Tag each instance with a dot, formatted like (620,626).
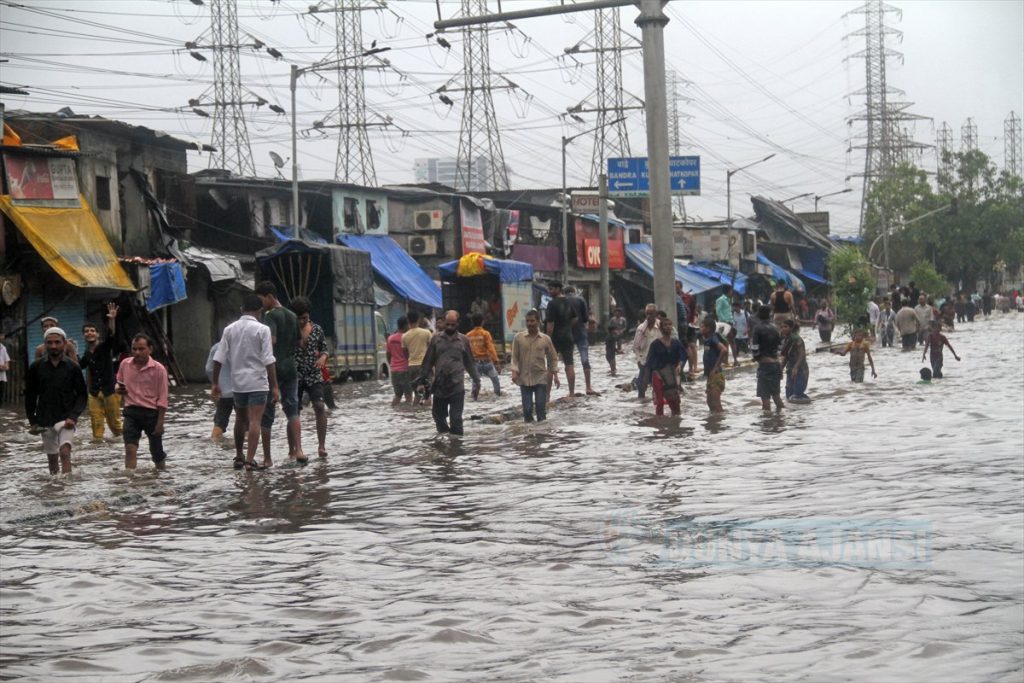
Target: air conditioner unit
(428,220)
(423,245)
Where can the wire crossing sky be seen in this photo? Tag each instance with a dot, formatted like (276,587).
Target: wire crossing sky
(761,77)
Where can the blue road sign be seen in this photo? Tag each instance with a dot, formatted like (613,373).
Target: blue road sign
(627,176)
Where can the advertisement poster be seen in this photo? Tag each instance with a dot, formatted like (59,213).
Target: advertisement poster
(37,178)
(588,246)
(515,303)
(472,229)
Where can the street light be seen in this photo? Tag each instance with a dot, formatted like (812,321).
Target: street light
(902,224)
(799,196)
(565,203)
(728,206)
(830,194)
(295,73)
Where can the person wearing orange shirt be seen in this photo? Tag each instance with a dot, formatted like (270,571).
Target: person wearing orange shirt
(486,356)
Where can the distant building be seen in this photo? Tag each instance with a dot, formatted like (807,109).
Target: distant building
(445,172)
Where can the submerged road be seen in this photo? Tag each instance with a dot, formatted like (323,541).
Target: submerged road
(875,534)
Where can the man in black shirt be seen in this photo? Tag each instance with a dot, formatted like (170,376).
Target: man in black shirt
(765,341)
(55,396)
(99,362)
(579,334)
(559,319)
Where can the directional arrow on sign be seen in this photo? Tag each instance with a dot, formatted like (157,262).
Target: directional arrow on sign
(622,184)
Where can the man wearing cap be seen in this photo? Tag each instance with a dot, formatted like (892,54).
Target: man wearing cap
(70,348)
(55,395)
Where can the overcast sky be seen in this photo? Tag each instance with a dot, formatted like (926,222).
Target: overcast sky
(767,76)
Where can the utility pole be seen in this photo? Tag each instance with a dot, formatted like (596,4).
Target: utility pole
(672,82)
(1012,145)
(943,148)
(608,98)
(652,22)
(886,146)
(969,136)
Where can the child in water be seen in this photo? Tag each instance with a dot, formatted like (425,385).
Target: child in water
(858,350)
(934,342)
(926,376)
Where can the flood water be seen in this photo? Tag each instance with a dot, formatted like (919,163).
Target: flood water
(876,534)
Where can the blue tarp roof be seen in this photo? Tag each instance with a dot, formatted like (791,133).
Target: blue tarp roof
(780,273)
(166,285)
(283,233)
(397,268)
(507,270)
(640,256)
(723,274)
(594,218)
(812,276)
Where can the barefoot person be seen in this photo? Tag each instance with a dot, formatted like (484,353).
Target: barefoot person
(534,363)
(665,358)
(794,354)
(859,349)
(934,343)
(55,396)
(142,381)
(765,343)
(284,335)
(99,363)
(247,348)
(310,361)
(715,352)
(448,359)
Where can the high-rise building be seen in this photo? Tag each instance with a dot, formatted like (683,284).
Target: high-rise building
(445,172)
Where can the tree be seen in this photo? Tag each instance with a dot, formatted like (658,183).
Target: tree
(853,284)
(927,279)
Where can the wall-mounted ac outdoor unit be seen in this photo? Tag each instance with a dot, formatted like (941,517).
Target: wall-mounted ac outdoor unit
(428,220)
(423,245)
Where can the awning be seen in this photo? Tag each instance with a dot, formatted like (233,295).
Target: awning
(594,218)
(641,257)
(72,242)
(812,266)
(780,273)
(723,274)
(506,269)
(221,266)
(808,275)
(397,268)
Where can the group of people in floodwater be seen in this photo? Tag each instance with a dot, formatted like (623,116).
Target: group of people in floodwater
(275,354)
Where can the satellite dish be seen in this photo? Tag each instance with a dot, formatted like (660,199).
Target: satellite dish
(278,161)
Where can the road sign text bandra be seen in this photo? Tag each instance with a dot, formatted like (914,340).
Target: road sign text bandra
(627,176)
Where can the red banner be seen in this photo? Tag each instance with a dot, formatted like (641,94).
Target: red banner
(33,177)
(588,246)
(472,229)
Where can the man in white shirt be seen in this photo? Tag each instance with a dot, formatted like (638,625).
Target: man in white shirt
(646,332)
(924,315)
(246,348)
(873,311)
(5,364)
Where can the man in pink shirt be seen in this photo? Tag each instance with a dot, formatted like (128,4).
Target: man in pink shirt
(398,362)
(142,381)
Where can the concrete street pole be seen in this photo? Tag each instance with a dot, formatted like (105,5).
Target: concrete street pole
(652,23)
(565,220)
(603,296)
(295,157)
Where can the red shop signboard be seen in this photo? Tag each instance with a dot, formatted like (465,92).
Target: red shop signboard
(588,246)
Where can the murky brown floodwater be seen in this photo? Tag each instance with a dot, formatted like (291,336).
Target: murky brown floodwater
(873,535)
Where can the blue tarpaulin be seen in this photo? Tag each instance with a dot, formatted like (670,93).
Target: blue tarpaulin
(640,256)
(397,268)
(283,233)
(506,270)
(780,273)
(722,273)
(166,285)
(813,266)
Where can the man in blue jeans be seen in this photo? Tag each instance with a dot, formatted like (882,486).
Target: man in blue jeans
(534,361)
(284,334)
(579,333)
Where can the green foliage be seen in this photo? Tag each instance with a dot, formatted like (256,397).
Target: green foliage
(853,283)
(927,279)
(987,227)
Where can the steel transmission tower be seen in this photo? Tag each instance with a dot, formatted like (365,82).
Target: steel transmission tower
(969,136)
(230,135)
(608,100)
(943,147)
(673,80)
(886,145)
(1012,145)
(354,163)
(481,161)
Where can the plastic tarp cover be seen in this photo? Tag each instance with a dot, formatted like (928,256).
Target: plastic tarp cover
(813,266)
(350,269)
(724,274)
(72,242)
(641,257)
(397,268)
(166,285)
(506,270)
(780,273)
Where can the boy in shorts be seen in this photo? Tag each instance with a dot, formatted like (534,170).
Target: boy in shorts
(934,343)
(859,349)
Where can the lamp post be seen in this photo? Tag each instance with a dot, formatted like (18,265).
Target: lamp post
(899,226)
(292,82)
(565,192)
(728,207)
(830,194)
(799,196)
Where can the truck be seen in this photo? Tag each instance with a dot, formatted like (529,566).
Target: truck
(338,281)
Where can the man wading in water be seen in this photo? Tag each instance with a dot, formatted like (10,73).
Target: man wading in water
(665,357)
(449,358)
(55,396)
(764,346)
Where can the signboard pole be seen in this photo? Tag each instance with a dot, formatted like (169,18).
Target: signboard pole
(602,211)
(652,22)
